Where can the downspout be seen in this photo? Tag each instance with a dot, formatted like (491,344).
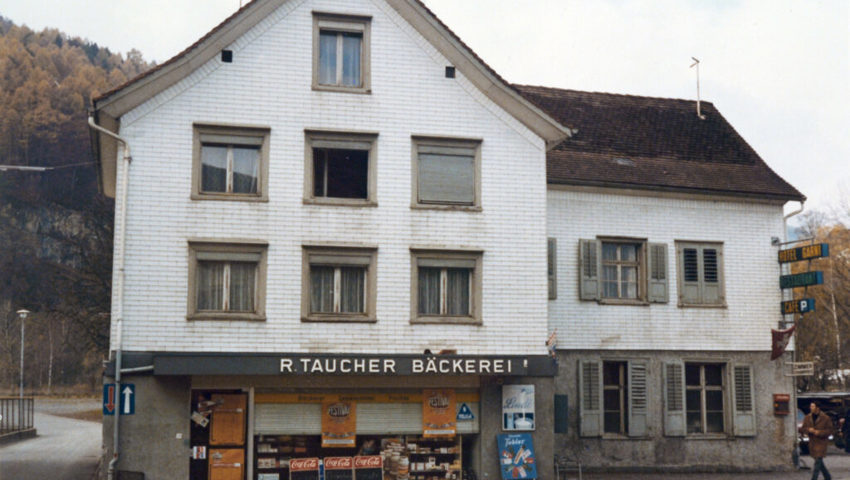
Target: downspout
(120,241)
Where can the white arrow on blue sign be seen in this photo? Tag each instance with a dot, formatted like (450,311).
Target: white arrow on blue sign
(126,400)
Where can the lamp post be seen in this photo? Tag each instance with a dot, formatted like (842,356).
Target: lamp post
(22,313)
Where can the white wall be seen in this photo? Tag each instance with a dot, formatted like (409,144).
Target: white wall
(269,83)
(750,266)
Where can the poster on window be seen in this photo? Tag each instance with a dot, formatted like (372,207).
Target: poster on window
(516,456)
(517,407)
(439,413)
(339,423)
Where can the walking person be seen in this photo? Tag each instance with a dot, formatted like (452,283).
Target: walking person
(818,426)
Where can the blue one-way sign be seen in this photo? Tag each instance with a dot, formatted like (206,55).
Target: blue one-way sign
(124,400)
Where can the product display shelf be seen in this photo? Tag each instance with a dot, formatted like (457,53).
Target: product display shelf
(432,458)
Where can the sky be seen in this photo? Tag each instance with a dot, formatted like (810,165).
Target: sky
(778,70)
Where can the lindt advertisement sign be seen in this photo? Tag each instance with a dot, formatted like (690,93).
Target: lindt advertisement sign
(339,468)
(369,468)
(304,469)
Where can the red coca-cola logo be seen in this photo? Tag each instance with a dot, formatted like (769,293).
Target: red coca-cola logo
(303,464)
(338,463)
(372,461)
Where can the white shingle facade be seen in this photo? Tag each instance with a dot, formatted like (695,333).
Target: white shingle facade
(269,84)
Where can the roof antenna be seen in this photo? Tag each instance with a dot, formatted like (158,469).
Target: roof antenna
(696,64)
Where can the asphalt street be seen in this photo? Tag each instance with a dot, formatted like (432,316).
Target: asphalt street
(65,449)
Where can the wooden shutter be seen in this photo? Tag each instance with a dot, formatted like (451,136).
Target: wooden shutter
(228,419)
(447,177)
(589,269)
(658,291)
(637,398)
(711,262)
(743,407)
(590,398)
(690,273)
(674,399)
(552,267)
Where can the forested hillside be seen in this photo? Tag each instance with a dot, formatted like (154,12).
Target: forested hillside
(55,228)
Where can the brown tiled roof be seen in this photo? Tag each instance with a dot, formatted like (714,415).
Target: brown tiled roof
(655,143)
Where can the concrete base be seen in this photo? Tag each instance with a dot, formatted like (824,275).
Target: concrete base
(19,435)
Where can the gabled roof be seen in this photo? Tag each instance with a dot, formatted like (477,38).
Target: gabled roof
(627,141)
(109,107)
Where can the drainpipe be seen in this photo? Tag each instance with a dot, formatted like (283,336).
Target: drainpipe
(119,243)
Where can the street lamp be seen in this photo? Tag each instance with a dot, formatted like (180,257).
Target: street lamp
(22,313)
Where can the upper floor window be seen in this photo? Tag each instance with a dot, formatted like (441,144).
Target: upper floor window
(446,287)
(341,52)
(447,172)
(700,274)
(230,162)
(339,284)
(340,168)
(623,270)
(226,281)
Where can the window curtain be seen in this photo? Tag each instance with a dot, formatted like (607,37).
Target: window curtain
(242,285)
(210,286)
(322,289)
(327,58)
(351,59)
(246,164)
(457,295)
(213,168)
(352,285)
(429,291)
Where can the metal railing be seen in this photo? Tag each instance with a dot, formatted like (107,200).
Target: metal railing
(16,414)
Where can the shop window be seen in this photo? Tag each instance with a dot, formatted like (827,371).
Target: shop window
(226,281)
(339,284)
(230,163)
(340,168)
(446,287)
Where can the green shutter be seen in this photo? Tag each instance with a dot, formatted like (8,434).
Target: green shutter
(674,399)
(552,267)
(743,404)
(689,275)
(588,270)
(638,401)
(658,290)
(590,398)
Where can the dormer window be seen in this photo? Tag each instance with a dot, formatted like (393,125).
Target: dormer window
(340,52)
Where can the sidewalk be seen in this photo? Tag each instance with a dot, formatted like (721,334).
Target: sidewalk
(836,461)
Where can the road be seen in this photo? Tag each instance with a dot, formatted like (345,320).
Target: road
(65,449)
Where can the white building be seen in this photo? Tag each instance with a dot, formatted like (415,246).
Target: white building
(336,211)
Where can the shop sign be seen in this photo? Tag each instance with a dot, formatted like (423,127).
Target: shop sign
(304,469)
(370,467)
(804,279)
(516,456)
(339,468)
(339,423)
(439,413)
(464,413)
(517,407)
(395,366)
(798,306)
(808,252)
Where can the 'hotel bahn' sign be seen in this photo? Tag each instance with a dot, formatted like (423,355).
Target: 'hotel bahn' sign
(808,252)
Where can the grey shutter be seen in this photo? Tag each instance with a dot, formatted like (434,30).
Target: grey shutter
(637,398)
(552,267)
(658,291)
(288,418)
(690,273)
(711,258)
(590,398)
(446,179)
(674,399)
(588,270)
(744,415)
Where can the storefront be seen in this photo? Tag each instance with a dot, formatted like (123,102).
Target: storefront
(326,417)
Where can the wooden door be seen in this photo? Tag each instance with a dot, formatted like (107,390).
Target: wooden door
(227,464)
(227,426)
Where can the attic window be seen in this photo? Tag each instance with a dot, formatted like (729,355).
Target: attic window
(450,72)
(628,162)
(227,56)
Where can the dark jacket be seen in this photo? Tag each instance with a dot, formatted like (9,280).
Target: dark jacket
(819,439)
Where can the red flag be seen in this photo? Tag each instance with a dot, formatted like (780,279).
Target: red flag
(780,341)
